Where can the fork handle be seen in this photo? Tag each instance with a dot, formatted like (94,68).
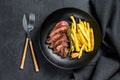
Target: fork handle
(34,58)
(24,54)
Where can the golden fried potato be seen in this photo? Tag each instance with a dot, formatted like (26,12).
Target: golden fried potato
(82,37)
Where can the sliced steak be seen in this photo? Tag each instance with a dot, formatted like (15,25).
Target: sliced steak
(54,38)
(58,42)
(61,23)
(60,47)
(66,51)
(57,39)
(59,30)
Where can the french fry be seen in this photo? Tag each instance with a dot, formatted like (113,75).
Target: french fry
(74,23)
(85,24)
(88,34)
(83,31)
(81,51)
(79,40)
(74,34)
(82,37)
(86,48)
(92,39)
(85,27)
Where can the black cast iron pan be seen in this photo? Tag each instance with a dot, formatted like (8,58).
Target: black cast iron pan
(49,23)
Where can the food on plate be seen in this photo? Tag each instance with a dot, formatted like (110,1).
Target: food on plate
(74,55)
(57,39)
(81,37)
(72,39)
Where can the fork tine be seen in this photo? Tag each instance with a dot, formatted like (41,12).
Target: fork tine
(31,21)
(32,17)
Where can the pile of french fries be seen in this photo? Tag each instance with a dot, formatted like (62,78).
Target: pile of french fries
(81,37)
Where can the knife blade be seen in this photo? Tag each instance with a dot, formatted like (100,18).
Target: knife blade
(25,23)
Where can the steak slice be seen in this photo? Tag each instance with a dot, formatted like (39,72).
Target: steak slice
(54,38)
(61,30)
(58,42)
(60,47)
(64,52)
(62,23)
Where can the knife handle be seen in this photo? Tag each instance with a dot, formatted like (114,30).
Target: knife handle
(34,58)
(24,54)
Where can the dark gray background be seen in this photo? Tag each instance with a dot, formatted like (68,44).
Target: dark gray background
(12,38)
(105,66)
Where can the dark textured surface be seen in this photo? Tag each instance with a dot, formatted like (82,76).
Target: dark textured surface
(106,64)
